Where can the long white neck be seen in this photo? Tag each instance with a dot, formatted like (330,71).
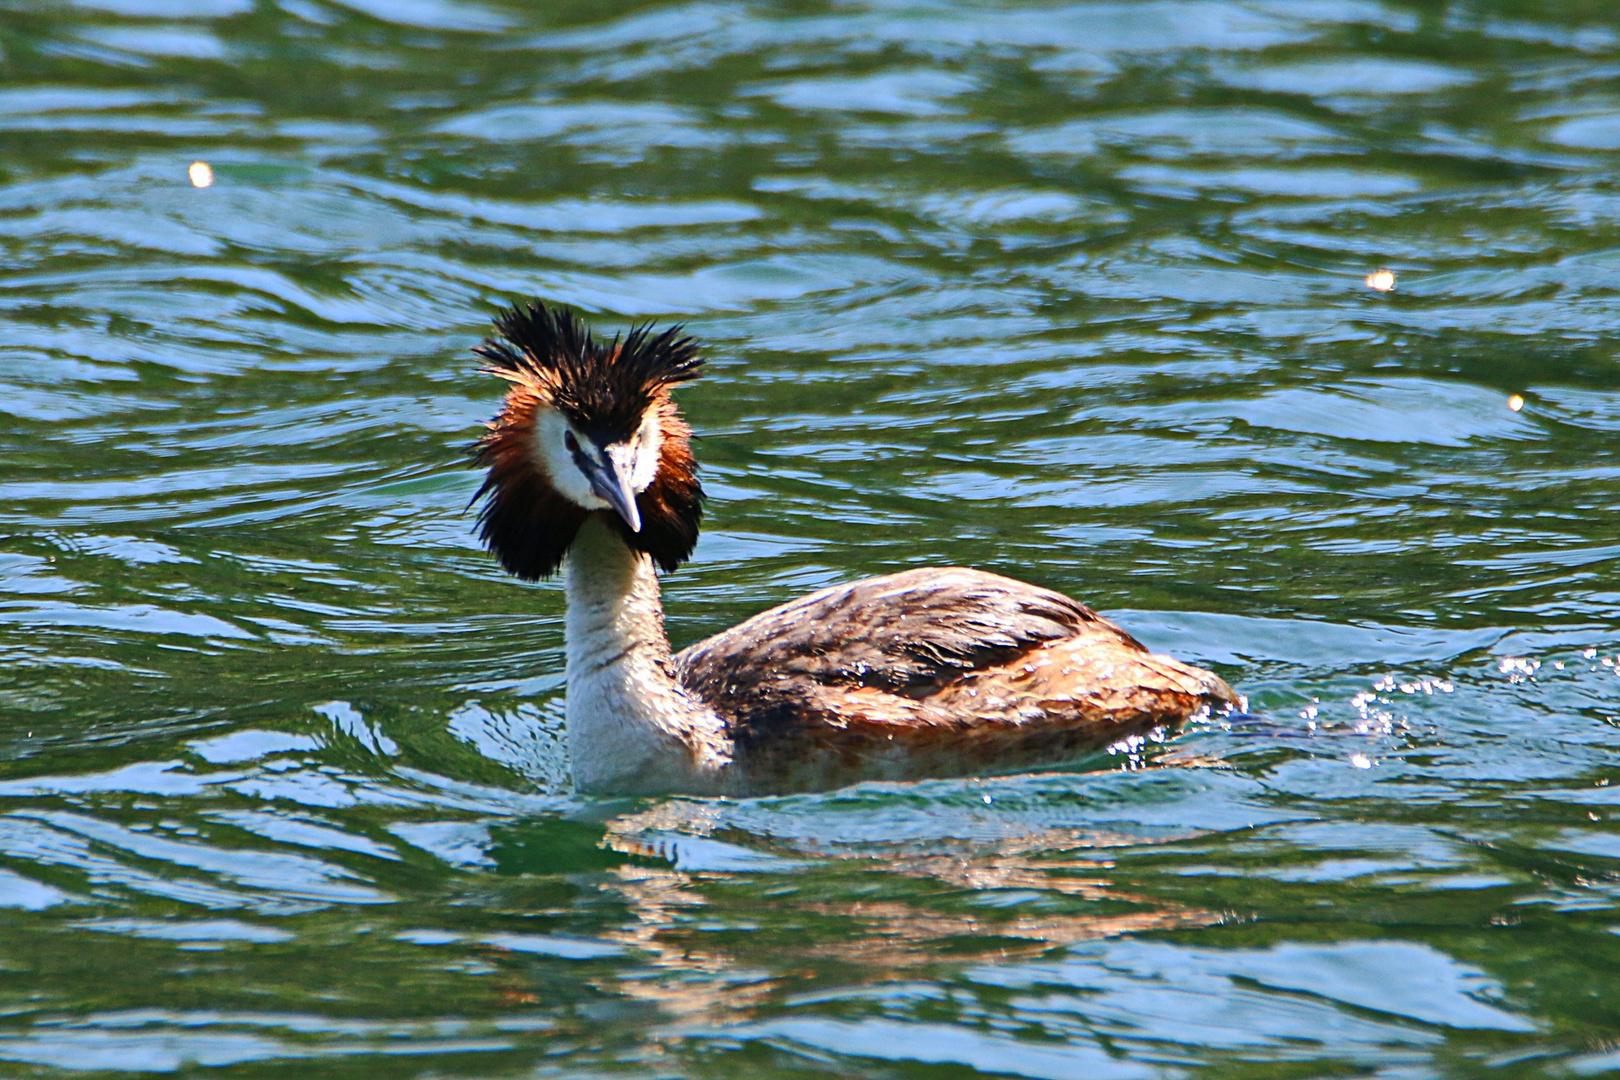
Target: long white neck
(631,728)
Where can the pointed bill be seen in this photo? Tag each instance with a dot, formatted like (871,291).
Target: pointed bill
(608,470)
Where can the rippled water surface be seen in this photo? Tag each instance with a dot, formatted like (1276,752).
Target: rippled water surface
(1074,292)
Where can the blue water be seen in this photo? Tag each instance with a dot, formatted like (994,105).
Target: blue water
(1080,293)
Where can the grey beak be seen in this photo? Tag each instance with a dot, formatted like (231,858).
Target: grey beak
(609,475)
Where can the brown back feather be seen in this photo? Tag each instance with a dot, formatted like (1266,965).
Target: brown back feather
(929,673)
(901,632)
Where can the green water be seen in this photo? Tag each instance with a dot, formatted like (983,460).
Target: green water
(1070,292)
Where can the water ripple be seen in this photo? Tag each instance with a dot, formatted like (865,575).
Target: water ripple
(1079,292)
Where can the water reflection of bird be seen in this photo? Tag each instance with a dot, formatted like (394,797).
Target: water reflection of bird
(923,673)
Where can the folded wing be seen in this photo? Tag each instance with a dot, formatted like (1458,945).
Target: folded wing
(929,672)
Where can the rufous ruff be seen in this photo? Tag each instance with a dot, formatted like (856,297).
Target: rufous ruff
(934,672)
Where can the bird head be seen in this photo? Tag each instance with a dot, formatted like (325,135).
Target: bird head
(587,427)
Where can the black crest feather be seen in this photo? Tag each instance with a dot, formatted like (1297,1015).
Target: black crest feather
(603,386)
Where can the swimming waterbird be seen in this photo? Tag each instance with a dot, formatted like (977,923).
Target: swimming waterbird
(933,672)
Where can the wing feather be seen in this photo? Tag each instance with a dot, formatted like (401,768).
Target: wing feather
(903,632)
(931,673)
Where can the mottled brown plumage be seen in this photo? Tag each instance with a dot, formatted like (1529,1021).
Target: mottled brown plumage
(932,672)
(925,673)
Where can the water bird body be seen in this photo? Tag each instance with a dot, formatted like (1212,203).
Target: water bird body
(931,672)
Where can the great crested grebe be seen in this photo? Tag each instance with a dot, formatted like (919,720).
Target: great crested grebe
(924,673)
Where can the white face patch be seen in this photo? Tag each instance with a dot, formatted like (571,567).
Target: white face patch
(551,431)
(647,444)
(551,448)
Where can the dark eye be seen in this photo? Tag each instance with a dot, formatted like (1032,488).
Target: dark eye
(570,442)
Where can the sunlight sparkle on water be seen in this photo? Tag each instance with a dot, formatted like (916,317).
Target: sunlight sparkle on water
(1381,280)
(201,173)
(1515,402)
